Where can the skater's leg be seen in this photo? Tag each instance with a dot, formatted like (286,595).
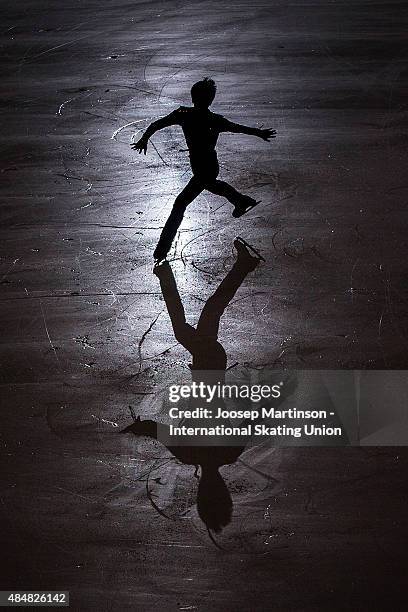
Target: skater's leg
(215,306)
(193,188)
(224,189)
(184,333)
(206,169)
(239,200)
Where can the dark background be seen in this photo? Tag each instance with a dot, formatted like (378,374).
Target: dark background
(85,333)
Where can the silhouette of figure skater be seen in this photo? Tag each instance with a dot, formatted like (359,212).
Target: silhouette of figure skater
(201,129)
(214,503)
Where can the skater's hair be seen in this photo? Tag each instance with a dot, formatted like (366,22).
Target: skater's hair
(203,92)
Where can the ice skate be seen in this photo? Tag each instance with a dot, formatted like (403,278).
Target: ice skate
(247,253)
(247,203)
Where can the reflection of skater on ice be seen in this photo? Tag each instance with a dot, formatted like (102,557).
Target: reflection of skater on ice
(201,129)
(214,503)
(202,342)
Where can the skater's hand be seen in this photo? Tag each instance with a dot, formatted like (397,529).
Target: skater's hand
(140,145)
(267,134)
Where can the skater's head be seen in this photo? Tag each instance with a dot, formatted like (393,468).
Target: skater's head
(203,93)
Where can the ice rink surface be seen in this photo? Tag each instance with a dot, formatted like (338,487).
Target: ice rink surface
(85,332)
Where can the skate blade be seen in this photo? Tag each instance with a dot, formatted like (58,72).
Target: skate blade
(247,209)
(250,248)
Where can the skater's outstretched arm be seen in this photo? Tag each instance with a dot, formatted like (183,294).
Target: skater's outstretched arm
(237,128)
(141,144)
